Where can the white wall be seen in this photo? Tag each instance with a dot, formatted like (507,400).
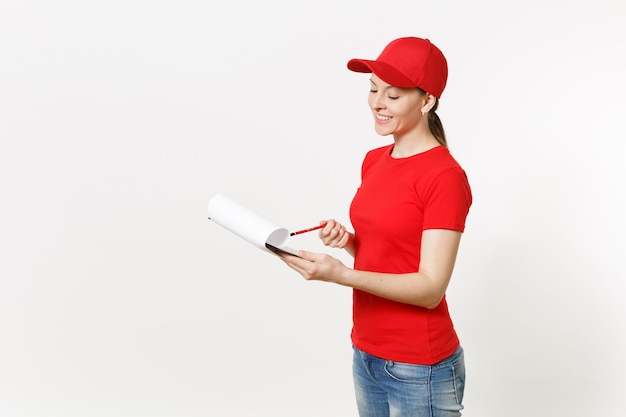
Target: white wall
(119,120)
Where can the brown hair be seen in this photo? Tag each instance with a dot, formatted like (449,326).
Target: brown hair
(434,123)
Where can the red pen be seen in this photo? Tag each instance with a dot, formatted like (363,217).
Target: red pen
(307,230)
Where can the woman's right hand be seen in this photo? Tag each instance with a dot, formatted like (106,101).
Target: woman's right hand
(335,235)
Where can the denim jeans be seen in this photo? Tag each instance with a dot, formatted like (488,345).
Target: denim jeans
(392,389)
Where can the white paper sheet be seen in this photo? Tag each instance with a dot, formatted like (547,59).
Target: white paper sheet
(249,225)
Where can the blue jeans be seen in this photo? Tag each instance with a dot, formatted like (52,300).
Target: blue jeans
(392,389)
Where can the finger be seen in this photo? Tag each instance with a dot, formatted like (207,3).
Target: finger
(337,234)
(308,256)
(344,240)
(325,231)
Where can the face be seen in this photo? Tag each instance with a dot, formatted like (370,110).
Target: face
(397,111)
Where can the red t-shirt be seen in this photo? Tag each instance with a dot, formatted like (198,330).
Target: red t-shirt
(398,199)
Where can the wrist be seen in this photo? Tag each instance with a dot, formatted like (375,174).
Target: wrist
(347,277)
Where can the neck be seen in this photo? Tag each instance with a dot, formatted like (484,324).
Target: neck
(406,146)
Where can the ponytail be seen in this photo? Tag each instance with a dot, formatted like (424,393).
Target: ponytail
(434,123)
(435,126)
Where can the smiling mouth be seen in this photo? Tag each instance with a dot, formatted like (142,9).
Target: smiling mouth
(383,118)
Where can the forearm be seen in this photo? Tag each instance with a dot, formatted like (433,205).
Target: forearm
(413,288)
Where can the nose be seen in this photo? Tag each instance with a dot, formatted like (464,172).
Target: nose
(376,102)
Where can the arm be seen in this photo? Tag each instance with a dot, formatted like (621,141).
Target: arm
(424,288)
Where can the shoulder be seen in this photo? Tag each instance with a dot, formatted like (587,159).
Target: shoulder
(443,173)
(378,152)
(374,156)
(441,158)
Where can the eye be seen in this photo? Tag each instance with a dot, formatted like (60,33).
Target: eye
(393,93)
(373,91)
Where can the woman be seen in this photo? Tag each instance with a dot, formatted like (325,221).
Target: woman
(408,216)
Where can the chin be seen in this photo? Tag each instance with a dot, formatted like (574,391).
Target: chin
(382,132)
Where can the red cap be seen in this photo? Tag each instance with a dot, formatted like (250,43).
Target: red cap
(408,63)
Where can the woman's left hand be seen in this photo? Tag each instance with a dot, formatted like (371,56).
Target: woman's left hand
(316,266)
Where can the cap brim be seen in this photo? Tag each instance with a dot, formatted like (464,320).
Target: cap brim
(384,71)
(360,65)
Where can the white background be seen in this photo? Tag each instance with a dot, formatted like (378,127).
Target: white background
(120,119)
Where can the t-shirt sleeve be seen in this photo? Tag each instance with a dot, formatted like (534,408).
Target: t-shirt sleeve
(447,201)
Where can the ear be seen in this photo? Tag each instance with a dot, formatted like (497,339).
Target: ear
(428,102)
